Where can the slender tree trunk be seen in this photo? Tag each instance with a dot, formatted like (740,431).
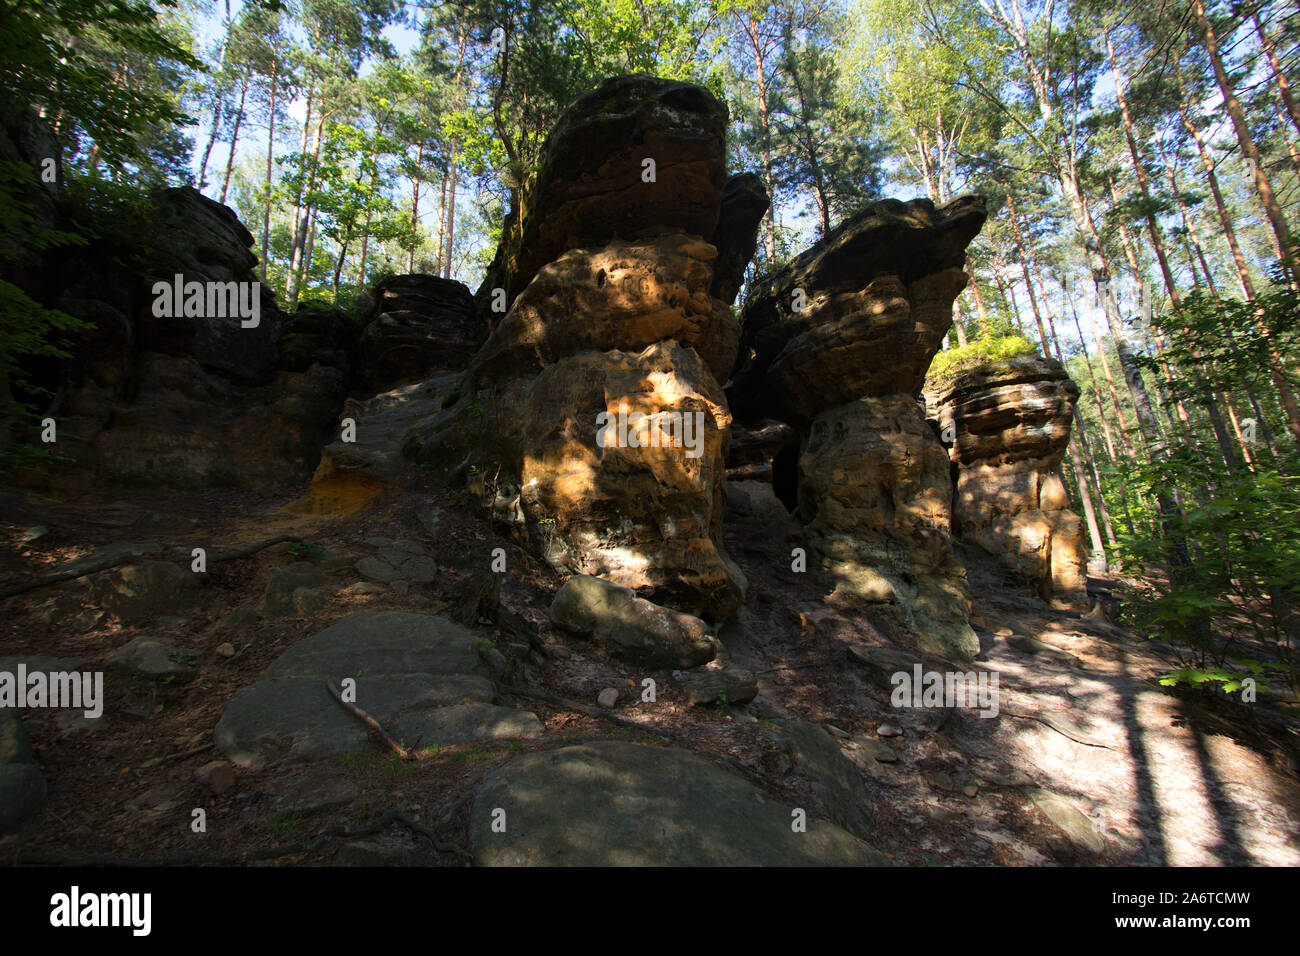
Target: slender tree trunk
(1106,434)
(1279,75)
(302,151)
(1276,368)
(1221,207)
(1189,225)
(764,125)
(307,254)
(212,139)
(1081,475)
(1236,429)
(1144,293)
(234,138)
(300,254)
(1265,432)
(270,159)
(1127,444)
(1024,265)
(415,205)
(1085,497)
(979,300)
(958,323)
(217,107)
(1153,227)
(1286,138)
(442,224)
(1096,389)
(1140,174)
(1249,151)
(365,231)
(450,243)
(1090,238)
(338,266)
(1008,295)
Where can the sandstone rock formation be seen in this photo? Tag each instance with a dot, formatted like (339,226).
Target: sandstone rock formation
(191,397)
(1011,420)
(837,344)
(593,420)
(416,324)
(862,312)
(593,183)
(744,203)
(188,400)
(628,625)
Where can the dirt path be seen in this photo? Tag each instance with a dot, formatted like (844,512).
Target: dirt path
(1160,790)
(1169,792)
(949,787)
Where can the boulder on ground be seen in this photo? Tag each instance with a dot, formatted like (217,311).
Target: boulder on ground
(139,593)
(627,625)
(611,803)
(278,600)
(423,677)
(728,685)
(156,659)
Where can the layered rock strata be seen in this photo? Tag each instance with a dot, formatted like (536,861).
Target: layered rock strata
(1010,421)
(415,325)
(837,345)
(593,420)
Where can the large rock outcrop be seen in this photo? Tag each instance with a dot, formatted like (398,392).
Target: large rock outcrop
(837,344)
(191,392)
(594,183)
(862,312)
(420,332)
(416,325)
(1011,423)
(593,420)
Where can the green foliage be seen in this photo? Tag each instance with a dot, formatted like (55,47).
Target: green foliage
(947,365)
(344,183)
(28,330)
(823,139)
(107,71)
(1245,574)
(919,66)
(474,753)
(357,760)
(1231,344)
(396,766)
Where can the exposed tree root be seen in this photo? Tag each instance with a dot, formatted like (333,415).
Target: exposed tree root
(54,577)
(379,823)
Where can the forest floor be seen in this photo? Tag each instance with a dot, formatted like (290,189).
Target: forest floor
(1089,761)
